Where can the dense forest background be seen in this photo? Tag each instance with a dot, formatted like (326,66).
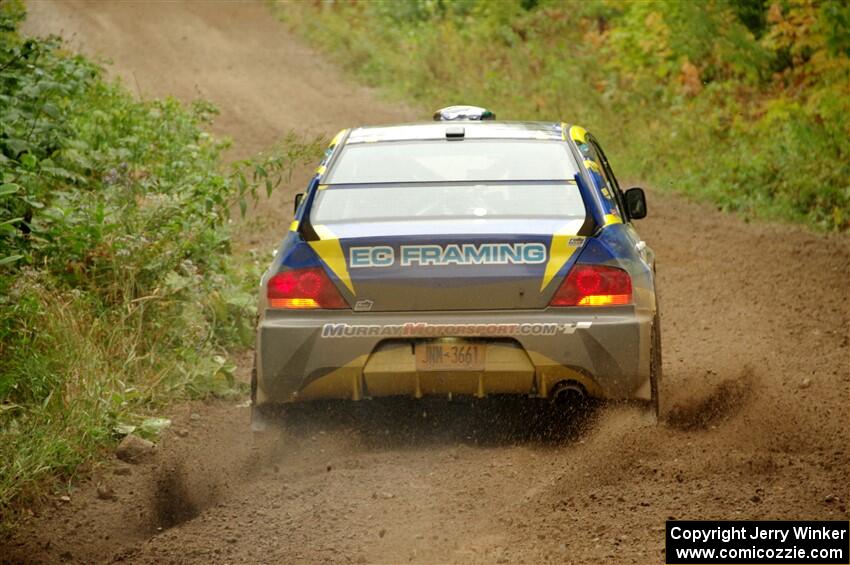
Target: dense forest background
(745,103)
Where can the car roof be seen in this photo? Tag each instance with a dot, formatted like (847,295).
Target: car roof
(472,129)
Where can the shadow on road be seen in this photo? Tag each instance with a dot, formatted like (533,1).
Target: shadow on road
(394,423)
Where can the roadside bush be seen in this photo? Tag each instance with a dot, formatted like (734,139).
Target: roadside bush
(118,292)
(745,104)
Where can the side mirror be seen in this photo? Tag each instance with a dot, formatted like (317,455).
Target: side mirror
(298,199)
(635,203)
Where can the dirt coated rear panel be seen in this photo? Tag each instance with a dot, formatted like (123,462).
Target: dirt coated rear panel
(488,281)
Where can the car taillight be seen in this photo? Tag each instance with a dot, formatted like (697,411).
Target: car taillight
(302,289)
(594,285)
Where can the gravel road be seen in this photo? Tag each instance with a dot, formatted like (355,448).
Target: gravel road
(755,425)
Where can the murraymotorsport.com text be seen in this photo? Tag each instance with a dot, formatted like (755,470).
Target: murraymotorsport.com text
(423,329)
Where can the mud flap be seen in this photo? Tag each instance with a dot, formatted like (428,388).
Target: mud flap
(259,420)
(655,369)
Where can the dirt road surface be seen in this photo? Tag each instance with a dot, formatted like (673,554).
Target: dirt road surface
(757,379)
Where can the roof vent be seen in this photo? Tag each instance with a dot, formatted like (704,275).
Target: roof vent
(455,132)
(453,113)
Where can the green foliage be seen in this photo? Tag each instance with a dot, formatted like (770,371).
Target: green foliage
(744,103)
(118,292)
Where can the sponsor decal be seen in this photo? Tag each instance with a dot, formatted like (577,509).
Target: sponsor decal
(424,329)
(378,256)
(451,254)
(363,305)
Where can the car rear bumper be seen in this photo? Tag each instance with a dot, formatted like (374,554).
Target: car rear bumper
(307,355)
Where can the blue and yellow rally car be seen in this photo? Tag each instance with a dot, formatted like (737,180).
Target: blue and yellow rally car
(463,256)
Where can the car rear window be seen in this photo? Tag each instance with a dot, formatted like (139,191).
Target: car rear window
(453,161)
(447,202)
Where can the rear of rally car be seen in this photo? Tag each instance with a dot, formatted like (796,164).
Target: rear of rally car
(467,258)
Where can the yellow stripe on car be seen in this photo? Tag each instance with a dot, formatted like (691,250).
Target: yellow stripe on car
(344,382)
(612,219)
(330,252)
(548,373)
(293,226)
(335,141)
(592,165)
(564,244)
(578,134)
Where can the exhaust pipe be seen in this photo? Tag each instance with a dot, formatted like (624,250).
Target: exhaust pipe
(569,393)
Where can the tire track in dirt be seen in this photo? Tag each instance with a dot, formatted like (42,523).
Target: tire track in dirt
(756,390)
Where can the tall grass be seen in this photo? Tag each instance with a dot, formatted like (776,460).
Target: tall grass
(118,291)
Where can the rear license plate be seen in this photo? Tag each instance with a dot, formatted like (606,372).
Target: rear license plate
(450,357)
